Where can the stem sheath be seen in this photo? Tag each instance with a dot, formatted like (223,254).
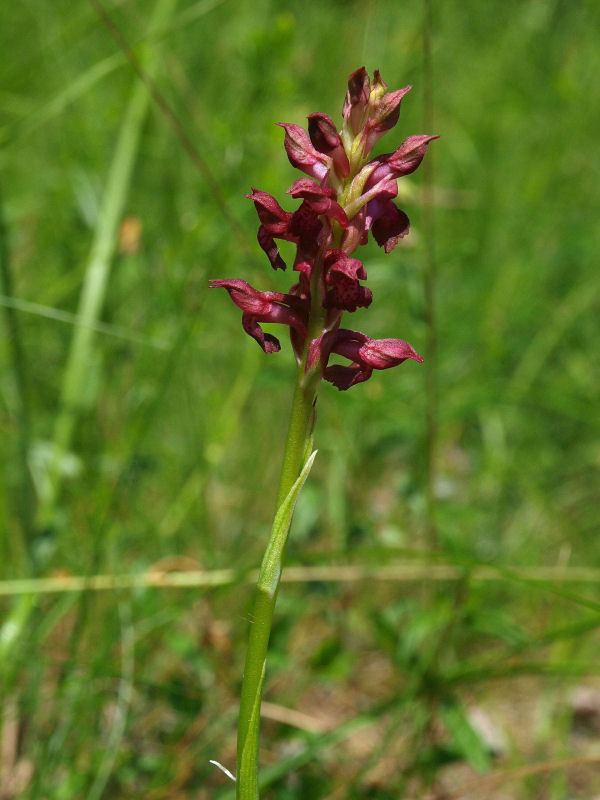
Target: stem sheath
(295,468)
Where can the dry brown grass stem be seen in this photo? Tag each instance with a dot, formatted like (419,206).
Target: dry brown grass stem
(198,578)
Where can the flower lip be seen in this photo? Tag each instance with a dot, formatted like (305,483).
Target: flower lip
(267,243)
(345,377)
(387,222)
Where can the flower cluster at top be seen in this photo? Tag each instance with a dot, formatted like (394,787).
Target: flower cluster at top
(345,197)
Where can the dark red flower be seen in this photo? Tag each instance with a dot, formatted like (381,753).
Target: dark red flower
(343,198)
(343,274)
(366,355)
(387,223)
(302,227)
(274,222)
(264,307)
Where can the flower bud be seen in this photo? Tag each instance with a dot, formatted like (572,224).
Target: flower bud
(357,100)
(384,117)
(324,136)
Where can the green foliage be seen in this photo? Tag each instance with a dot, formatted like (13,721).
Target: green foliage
(179,423)
(466,741)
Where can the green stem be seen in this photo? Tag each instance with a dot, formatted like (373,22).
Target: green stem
(293,473)
(299,435)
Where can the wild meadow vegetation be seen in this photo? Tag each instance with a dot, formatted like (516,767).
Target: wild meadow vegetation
(437,633)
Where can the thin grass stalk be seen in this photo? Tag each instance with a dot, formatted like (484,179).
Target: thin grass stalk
(85,82)
(429,280)
(58,315)
(546,577)
(92,300)
(98,271)
(65,696)
(180,132)
(19,369)
(122,705)
(90,306)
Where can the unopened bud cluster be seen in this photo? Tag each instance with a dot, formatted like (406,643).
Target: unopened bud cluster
(345,197)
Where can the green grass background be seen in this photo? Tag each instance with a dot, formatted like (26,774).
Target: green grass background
(178,419)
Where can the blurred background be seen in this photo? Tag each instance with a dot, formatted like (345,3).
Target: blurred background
(438,635)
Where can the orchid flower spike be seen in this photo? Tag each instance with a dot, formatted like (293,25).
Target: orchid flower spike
(346,196)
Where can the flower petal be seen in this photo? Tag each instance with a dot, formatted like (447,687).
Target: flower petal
(386,353)
(342,275)
(383,172)
(272,216)
(373,353)
(337,261)
(267,243)
(324,136)
(388,223)
(356,233)
(409,155)
(385,117)
(246,297)
(301,153)
(320,199)
(366,355)
(345,377)
(258,307)
(270,344)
